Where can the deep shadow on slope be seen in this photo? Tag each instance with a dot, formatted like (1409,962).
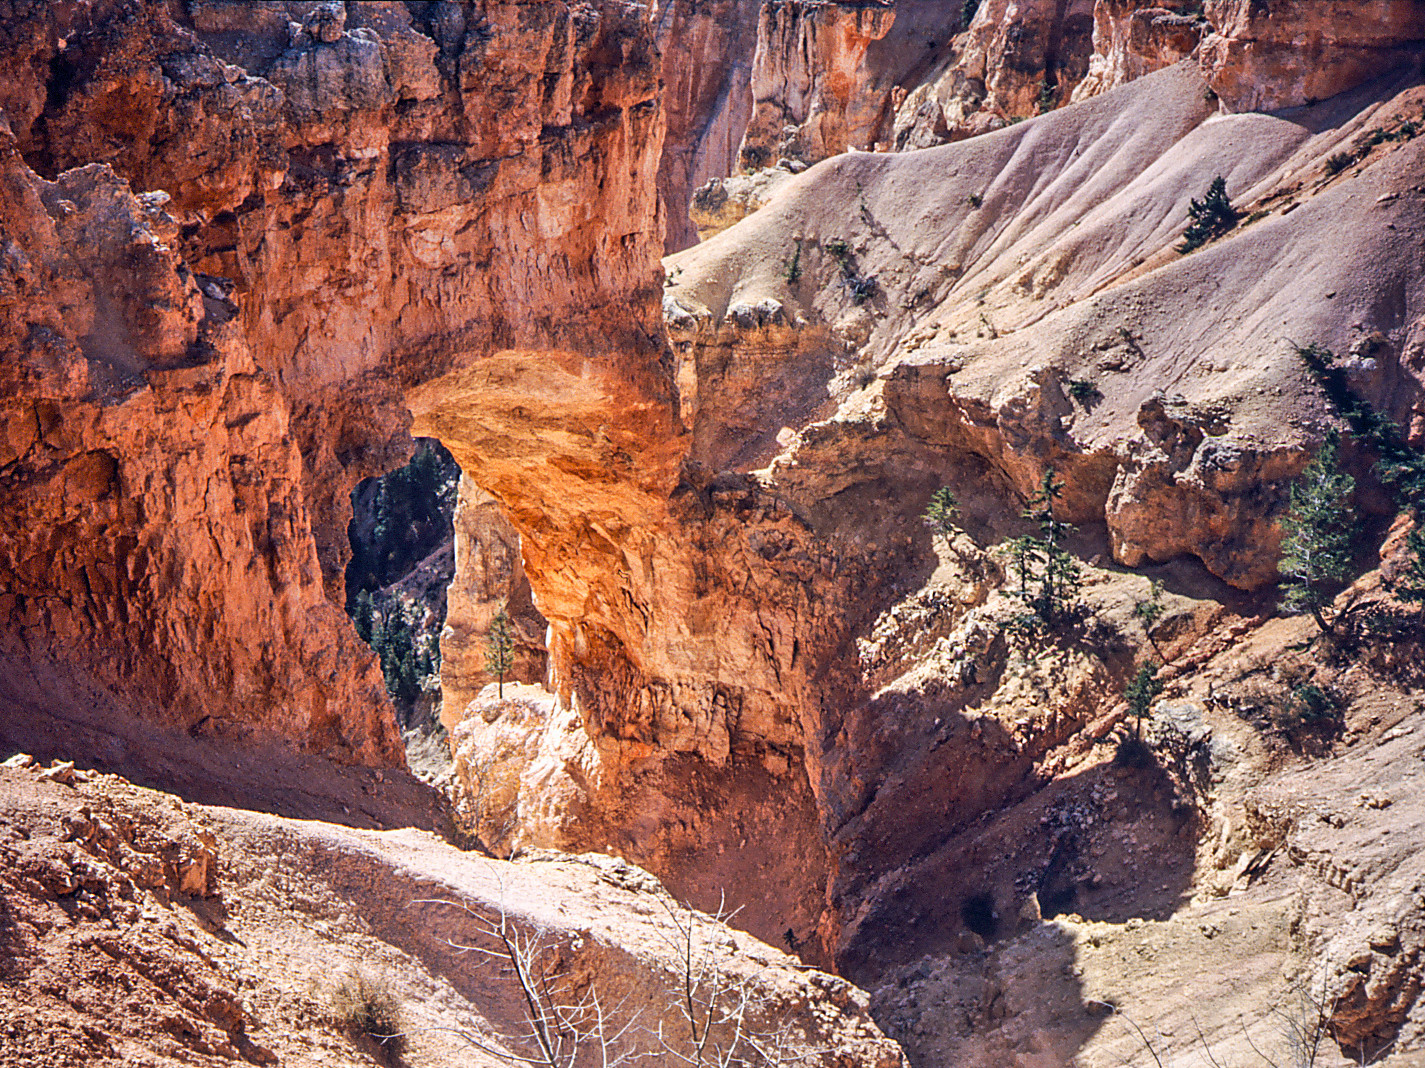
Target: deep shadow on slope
(55,714)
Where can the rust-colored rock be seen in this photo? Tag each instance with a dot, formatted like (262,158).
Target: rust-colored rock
(807,80)
(489,576)
(708,48)
(1131,40)
(1016,58)
(1262,57)
(329,209)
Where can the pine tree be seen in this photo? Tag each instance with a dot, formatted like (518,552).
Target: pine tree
(1141,692)
(1320,526)
(1151,610)
(1042,560)
(940,514)
(1212,216)
(500,648)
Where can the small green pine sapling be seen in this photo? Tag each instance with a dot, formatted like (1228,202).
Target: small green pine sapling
(792,271)
(500,648)
(940,514)
(1027,554)
(1084,391)
(1320,526)
(1141,693)
(1212,216)
(1043,561)
(1151,611)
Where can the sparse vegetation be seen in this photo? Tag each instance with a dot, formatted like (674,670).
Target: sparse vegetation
(1320,526)
(1310,703)
(500,649)
(862,287)
(1150,611)
(1404,130)
(710,1016)
(1141,693)
(1337,163)
(975,200)
(792,266)
(967,13)
(940,514)
(1046,96)
(1304,1020)
(1049,577)
(1085,392)
(367,1005)
(1211,217)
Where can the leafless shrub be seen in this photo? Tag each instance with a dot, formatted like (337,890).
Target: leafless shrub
(479,810)
(708,1017)
(1303,1020)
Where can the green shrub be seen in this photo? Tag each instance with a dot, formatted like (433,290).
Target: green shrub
(1049,577)
(1211,217)
(1320,528)
(1151,610)
(1084,391)
(1141,693)
(1046,96)
(862,287)
(792,267)
(940,514)
(1339,162)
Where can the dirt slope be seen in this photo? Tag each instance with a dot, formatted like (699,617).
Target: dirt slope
(142,930)
(1005,267)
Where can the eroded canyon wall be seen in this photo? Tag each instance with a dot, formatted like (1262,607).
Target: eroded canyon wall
(287,218)
(448,213)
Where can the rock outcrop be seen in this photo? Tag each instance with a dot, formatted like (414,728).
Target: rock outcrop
(1261,57)
(764,676)
(306,274)
(1131,40)
(809,80)
(144,929)
(708,48)
(489,576)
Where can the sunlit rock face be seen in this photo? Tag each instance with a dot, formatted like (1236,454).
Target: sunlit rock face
(289,219)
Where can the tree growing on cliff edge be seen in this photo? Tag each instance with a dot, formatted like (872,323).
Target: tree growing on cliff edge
(500,648)
(1320,526)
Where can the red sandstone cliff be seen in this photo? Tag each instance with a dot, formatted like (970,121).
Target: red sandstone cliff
(201,375)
